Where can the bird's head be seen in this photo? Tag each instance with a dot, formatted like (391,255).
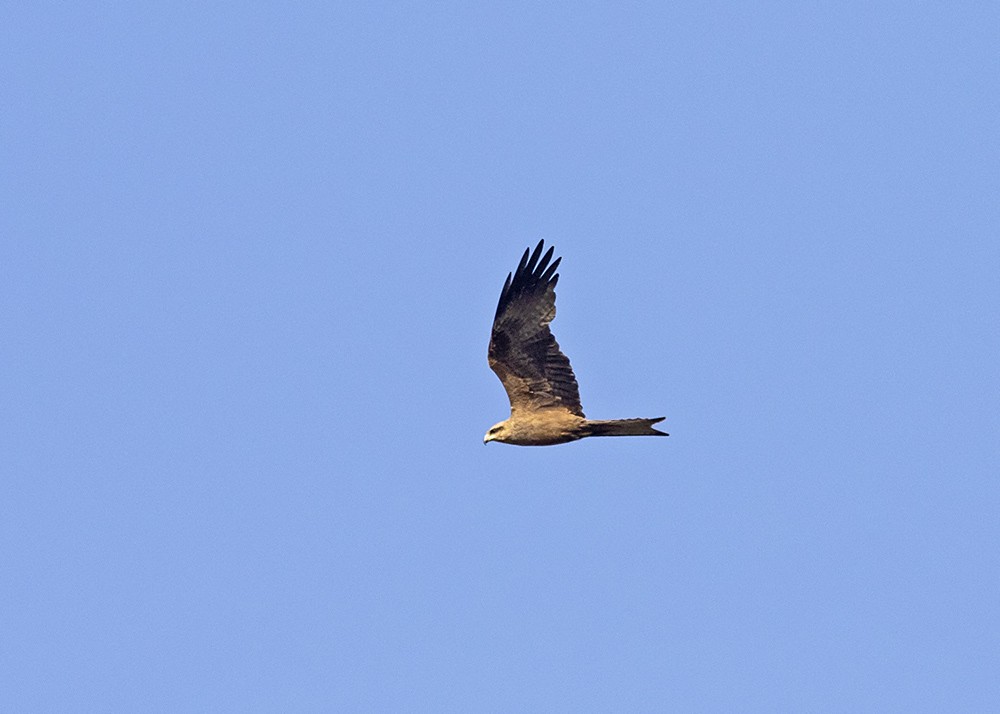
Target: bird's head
(497,432)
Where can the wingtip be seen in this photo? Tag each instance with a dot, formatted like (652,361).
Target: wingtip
(533,271)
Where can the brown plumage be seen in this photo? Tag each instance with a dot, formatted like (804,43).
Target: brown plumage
(544,396)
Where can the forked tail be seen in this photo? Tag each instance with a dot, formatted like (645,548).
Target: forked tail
(624,427)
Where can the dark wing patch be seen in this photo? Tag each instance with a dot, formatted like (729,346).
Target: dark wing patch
(523,352)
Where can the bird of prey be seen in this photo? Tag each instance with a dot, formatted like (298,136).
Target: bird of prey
(544,397)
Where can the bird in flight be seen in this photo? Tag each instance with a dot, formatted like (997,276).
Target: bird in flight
(544,396)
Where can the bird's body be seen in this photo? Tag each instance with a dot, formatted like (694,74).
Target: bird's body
(544,396)
(555,426)
(542,428)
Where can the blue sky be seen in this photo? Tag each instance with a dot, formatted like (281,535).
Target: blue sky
(250,257)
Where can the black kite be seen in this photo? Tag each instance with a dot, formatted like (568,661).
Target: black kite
(544,397)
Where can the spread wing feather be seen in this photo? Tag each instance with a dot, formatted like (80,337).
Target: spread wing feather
(523,352)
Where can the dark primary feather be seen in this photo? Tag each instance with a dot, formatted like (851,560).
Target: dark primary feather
(523,352)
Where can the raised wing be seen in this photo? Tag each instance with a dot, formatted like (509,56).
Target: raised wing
(523,352)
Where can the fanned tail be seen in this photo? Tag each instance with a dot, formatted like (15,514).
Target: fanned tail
(624,427)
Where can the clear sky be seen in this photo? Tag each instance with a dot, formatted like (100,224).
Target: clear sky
(250,256)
